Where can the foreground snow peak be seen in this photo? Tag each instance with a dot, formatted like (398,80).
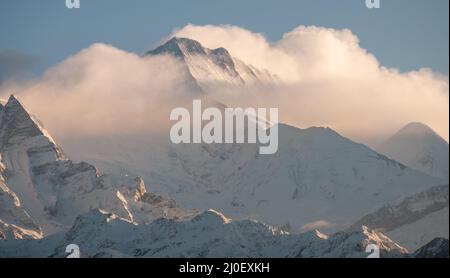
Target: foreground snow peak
(209,234)
(42,191)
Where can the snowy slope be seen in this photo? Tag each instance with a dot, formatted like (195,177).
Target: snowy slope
(213,67)
(15,222)
(209,234)
(317,179)
(42,189)
(415,220)
(419,147)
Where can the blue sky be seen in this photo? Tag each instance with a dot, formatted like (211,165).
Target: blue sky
(406,34)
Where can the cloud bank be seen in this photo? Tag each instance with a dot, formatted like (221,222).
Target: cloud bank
(327,79)
(103,90)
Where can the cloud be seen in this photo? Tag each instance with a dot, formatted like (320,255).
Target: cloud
(304,54)
(327,79)
(103,90)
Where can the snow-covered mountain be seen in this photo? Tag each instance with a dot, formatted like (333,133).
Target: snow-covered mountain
(15,222)
(42,191)
(419,147)
(209,234)
(415,220)
(317,179)
(213,67)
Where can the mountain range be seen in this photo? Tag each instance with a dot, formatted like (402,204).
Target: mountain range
(215,200)
(317,178)
(43,191)
(209,234)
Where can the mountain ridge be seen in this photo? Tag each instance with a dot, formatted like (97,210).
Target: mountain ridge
(208,67)
(208,235)
(315,170)
(73,202)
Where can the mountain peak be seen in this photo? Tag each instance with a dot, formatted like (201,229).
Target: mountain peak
(182,47)
(417,131)
(12,97)
(14,102)
(416,128)
(179,47)
(212,66)
(417,146)
(15,115)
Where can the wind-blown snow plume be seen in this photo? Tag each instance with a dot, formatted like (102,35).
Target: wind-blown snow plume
(330,80)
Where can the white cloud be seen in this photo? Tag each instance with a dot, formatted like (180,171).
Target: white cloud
(104,90)
(328,80)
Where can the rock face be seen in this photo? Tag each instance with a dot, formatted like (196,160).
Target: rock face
(42,191)
(437,248)
(209,67)
(419,147)
(415,220)
(14,220)
(209,234)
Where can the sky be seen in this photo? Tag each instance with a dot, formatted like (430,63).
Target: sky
(405,34)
